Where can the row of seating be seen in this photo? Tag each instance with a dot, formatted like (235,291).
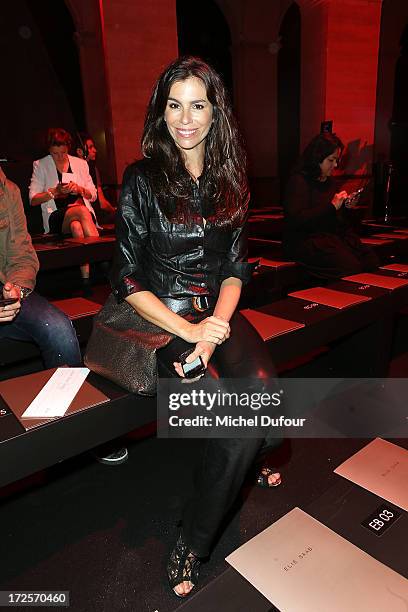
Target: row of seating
(272,280)
(349,342)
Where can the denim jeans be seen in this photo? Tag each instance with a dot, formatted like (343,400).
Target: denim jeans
(40,322)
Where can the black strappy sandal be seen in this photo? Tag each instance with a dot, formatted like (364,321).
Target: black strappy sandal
(263,475)
(183,566)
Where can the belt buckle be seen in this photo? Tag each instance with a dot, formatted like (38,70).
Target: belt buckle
(200,303)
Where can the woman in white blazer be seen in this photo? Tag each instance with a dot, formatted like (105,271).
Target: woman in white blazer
(63,187)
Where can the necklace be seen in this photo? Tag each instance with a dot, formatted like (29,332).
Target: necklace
(195,175)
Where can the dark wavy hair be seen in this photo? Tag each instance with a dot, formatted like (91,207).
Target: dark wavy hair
(80,140)
(224,179)
(317,150)
(58,137)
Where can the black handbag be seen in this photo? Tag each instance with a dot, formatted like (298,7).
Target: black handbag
(123,346)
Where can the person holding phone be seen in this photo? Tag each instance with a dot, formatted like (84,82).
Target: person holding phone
(181,262)
(317,233)
(25,315)
(62,186)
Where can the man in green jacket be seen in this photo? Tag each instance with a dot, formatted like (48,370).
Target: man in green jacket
(31,317)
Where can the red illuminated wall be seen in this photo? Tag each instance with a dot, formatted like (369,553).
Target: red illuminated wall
(353,36)
(339,41)
(314,24)
(123,46)
(339,75)
(140,39)
(339,54)
(89,41)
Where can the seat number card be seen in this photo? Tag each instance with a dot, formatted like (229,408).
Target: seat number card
(379,521)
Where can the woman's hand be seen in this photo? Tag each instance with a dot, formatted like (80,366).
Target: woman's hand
(74,188)
(212,329)
(338,199)
(8,313)
(202,349)
(59,191)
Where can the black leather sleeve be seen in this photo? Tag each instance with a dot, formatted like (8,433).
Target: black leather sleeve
(236,264)
(132,235)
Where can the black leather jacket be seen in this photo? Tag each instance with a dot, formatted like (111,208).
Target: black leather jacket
(171,259)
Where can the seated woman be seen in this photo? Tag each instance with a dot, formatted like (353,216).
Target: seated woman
(62,185)
(181,262)
(85,149)
(317,232)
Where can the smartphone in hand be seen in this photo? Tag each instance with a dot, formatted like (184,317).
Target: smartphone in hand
(7,301)
(353,198)
(193,369)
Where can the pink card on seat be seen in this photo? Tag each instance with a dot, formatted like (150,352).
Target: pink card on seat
(18,393)
(300,565)
(397,267)
(375,241)
(382,468)
(329,297)
(367,278)
(272,263)
(77,307)
(393,236)
(268,326)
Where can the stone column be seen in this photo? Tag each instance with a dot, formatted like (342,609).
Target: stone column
(339,76)
(139,39)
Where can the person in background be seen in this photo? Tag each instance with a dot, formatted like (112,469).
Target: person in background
(62,186)
(317,231)
(85,149)
(31,318)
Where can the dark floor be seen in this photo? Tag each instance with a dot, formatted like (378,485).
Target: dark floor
(103,533)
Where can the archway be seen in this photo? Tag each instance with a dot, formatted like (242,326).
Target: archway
(399,128)
(208,37)
(57,31)
(391,120)
(44,85)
